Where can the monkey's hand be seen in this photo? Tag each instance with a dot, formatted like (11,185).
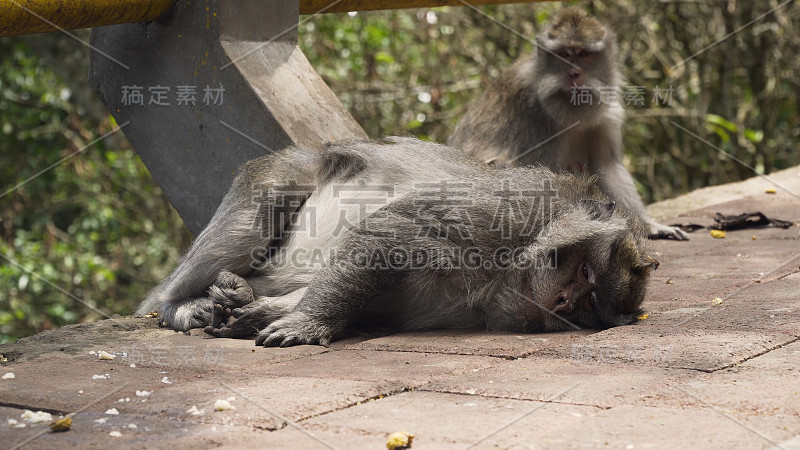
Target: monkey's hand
(230,290)
(186,315)
(297,328)
(239,322)
(659,231)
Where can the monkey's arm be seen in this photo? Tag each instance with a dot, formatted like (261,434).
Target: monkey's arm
(618,183)
(372,264)
(333,300)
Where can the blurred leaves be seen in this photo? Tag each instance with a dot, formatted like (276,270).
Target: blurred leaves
(95,225)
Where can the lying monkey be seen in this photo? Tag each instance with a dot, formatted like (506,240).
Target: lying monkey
(409,234)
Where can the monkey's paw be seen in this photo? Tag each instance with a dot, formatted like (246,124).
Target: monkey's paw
(185,315)
(297,328)
(230,290)
(238,322)
(659,231)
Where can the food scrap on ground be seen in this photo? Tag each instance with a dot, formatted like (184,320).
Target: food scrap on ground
(62,424)
(194,411)
(399,440)
(36,417)
(105,355)
(223,405)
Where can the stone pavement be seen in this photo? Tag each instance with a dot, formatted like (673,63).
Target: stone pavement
(693,374)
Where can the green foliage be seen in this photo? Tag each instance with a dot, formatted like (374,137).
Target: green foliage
(85,238)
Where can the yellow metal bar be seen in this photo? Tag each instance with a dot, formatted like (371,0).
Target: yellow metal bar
(332,6)
(42,16)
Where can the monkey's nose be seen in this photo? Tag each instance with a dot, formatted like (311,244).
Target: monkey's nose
(574,72)
(564,304)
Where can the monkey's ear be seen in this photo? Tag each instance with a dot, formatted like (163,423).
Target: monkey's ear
(599,210)
(648,265)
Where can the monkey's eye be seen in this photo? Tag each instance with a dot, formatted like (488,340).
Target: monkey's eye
(587,272)
(563,53)
(583,54)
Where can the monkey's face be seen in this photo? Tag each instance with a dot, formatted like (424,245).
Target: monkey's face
(575,63)
(597,286)
(598,282)
(574,71)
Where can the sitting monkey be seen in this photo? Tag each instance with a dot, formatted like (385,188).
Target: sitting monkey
(409,234)
(559,107)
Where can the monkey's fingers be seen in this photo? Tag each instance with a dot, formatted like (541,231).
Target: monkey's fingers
(277,337)
(233,329)
(681,235)
(674,233)
(283,338)
(290,341)
(231,297)
(217,332)
(217,318)
(268,340)
(658,231)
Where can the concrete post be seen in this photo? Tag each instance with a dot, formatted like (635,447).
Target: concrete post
(216,83)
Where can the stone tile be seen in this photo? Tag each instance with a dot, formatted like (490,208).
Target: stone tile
(78,339)
(736,256)
(670,344)
(408,368)
(770,307)
(766,385)
(54,383)
(689,291)
(262,402)
(151,432)
(198,352)
(472,342)
(590,383)
(638,427)
(442,421)
(452,421)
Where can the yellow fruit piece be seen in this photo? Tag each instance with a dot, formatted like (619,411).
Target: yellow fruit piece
(643,316)
(717,234)
(716,301)
(399,440)
(61,424)
(771,190)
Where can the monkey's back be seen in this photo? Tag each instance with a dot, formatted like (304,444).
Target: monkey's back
(354,180)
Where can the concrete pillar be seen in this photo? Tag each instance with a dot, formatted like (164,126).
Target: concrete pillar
(216,83)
